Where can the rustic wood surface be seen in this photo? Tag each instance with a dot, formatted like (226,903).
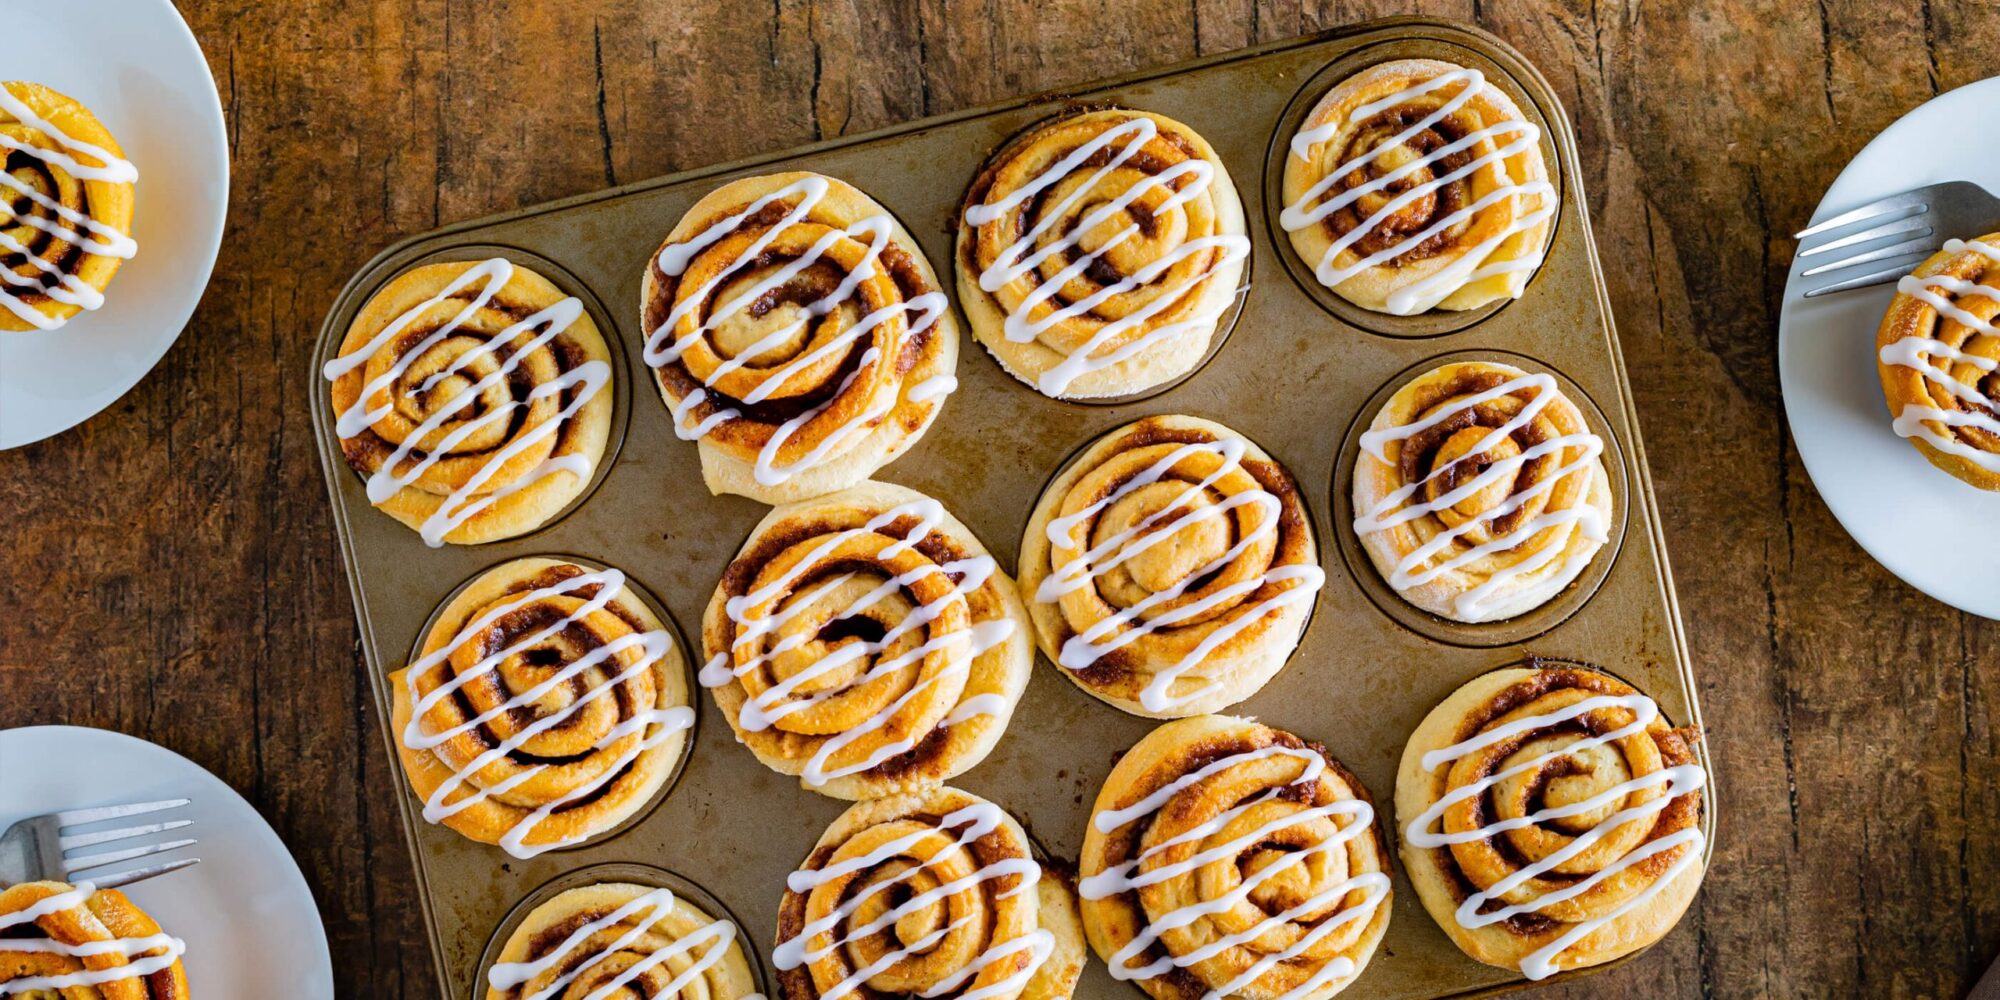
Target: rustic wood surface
(173,573)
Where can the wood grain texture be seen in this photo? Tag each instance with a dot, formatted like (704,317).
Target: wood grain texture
(174,574)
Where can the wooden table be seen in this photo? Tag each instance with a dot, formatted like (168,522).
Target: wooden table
(173,573)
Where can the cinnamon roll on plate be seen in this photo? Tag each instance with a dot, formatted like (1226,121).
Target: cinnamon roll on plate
(1170,568)
(935,894)
(68,191)
(798,336)
(1099,252)
(1228,859)
(866,642)
(1417,184)
(78,941)
(547,705)
(1480,492)
(1938,354)
(1551,818)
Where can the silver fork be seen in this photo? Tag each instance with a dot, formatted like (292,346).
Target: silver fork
(45,847)
(1902,230)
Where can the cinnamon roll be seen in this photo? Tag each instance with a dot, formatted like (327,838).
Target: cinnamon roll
(1939,358)
(934,893)
(1415,185)
(77,941)
(866,642)
(548,705)
(1098,252)
(1170,569)
(620,939)
(1227,859)
(67,193)
(798,335)
(474,398)
(1551,818)
(1480,492)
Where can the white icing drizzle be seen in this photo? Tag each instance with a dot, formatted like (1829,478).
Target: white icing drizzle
(1678,780)
(663,348)
(1919,353)
(1471,265)
(979,819)
(653,646)
(171,948)
(1082,650)
(1416,567)
(73,226)
(1022,257)
(719,935)
(466,501)
(771,705)
(1358,817)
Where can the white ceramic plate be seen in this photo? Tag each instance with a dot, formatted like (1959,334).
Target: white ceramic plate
(1917,521)
(248,919)
(135,64)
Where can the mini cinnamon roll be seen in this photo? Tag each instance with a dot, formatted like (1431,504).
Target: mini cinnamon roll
(1551,818)
(798,336)
(1417,184)
(67,192)
(1939,358)
(78,941)
(1170,568)
(866,642)
(620,939)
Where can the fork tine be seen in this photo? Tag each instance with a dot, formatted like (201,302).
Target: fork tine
(1881,277)
(1909,224)
(1880,206)
(1923,245)
(78,817)
(88,861)
(88,839)
(132,875)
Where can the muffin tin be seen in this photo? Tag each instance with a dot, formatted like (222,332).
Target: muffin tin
(1297,373)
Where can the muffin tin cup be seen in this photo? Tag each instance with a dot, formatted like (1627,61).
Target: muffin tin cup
(1292,373)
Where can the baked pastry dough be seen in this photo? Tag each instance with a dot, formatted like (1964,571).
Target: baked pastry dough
(1170,569)
(69,195)
(1098,252)
(1417,184)
(934,893)
(798,335)
(1551,818)
(1480,492)
(548,705)
(649,941)
(474,398)
(866,642)
(77,941)
(1939,358)
(1227,859)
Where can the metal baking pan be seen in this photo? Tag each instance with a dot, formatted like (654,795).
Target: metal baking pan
(1297,372)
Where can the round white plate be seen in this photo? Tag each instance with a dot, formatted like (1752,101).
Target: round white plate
(248,919)
(1917,521)
(135,64)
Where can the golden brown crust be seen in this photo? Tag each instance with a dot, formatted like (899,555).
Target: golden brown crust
(1188,297)
(1240,640)
(856,400)
(896,849)
(590,774)
(1925,389)
(106,203)
(497,462)
(1274,813)
(829,697)
(1559,484)
(701,954)
(105,915)
(1469,228)
(1446,876)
